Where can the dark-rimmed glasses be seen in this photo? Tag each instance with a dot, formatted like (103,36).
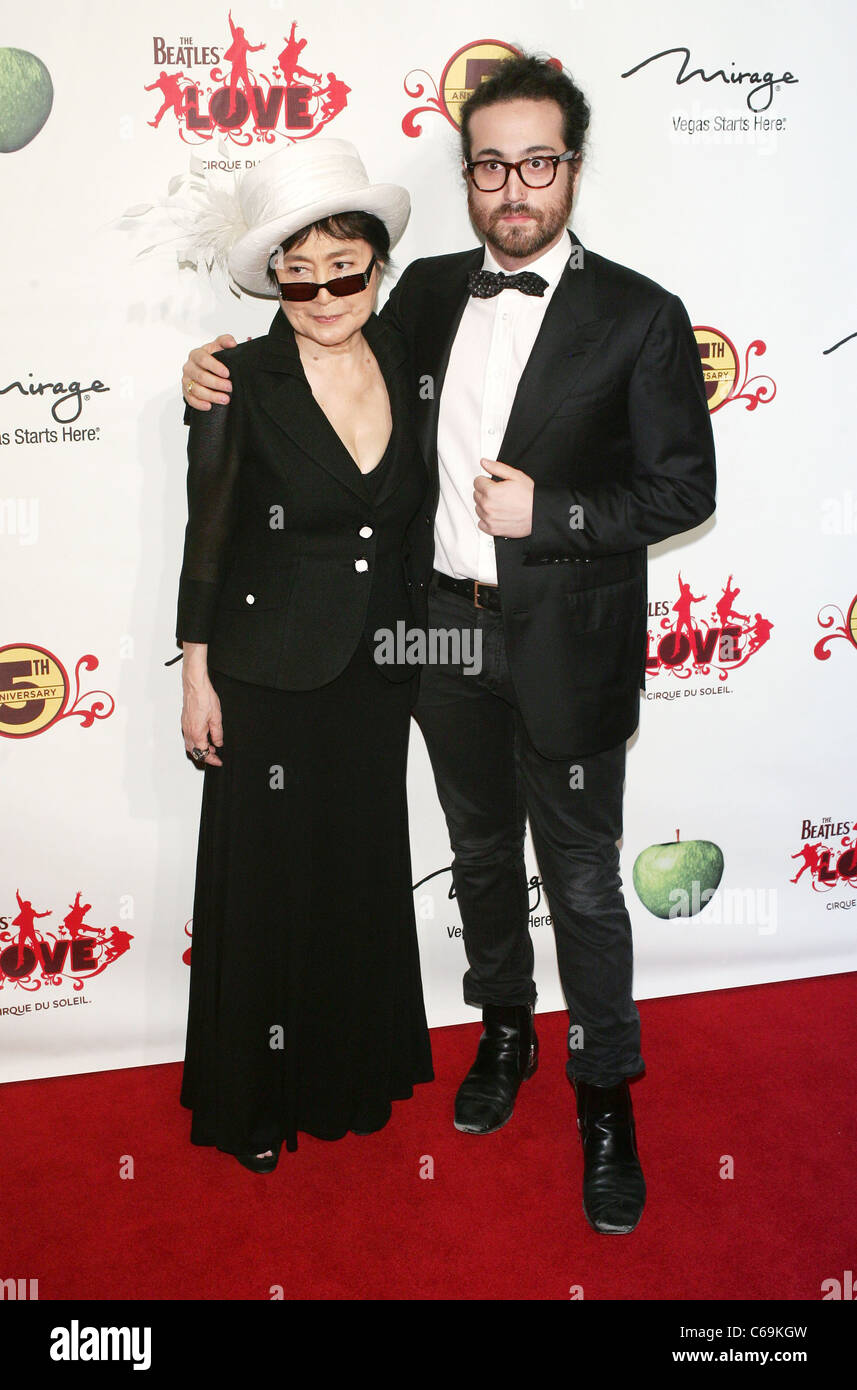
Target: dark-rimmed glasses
(301,290)
(539,171)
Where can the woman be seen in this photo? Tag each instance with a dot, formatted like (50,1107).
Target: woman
(305,538)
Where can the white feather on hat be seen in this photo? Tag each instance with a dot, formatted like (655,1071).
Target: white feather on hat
(235,224)
(204,205)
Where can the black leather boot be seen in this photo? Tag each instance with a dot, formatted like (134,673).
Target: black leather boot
(614,1190)
(508,1053)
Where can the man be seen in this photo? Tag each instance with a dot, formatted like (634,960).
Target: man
(564,419)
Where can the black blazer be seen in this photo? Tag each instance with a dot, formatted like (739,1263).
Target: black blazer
(611,417)
(288,559)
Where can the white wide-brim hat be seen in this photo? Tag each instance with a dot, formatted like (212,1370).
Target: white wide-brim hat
(297,186)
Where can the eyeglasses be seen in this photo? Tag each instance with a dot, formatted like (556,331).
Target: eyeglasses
(301,290)
(539,171)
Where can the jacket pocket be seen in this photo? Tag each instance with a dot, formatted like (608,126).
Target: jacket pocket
(605,606)
(256,590)
(251,621)
(584,402)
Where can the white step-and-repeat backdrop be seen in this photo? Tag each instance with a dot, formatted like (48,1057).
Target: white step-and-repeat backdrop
(721,165)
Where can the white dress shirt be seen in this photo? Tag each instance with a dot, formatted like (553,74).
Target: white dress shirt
(494,340)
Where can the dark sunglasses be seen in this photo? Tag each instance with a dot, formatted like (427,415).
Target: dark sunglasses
(301,290)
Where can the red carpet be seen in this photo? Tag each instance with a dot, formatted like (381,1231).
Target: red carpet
(765,1074)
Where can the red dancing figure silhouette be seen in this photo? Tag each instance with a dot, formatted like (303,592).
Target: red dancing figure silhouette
(26,921)
(236,54)
(682,607)
(173,95)
(335,96)
(117,943)
(810,854)
(288,60)
(759,632)
(724,608)
(73,920)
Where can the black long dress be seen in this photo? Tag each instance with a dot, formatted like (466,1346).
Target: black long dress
(306,1010)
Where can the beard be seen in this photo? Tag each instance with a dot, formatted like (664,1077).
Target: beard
(517,240)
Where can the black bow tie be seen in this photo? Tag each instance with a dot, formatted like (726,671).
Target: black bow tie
(484,284)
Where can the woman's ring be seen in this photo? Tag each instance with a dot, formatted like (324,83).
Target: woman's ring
(199,755)
(190,386)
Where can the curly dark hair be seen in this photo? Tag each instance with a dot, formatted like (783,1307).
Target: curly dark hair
(532,78)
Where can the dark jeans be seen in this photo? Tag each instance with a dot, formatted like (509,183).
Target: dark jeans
(489,779)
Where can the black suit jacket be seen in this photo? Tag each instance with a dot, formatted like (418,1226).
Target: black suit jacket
(610,417)
(277,577)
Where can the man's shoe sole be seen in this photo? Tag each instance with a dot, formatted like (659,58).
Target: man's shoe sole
(612,1230)
(467,1129)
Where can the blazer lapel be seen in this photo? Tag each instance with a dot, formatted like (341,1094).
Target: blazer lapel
(286,398)
(391,355)
(569,336)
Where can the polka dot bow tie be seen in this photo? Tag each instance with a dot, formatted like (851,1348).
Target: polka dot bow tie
(484,284)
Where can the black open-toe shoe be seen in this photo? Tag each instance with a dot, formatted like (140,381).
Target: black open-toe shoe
(260,1165)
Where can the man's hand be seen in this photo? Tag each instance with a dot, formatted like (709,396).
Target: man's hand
(504,508)
(205,380)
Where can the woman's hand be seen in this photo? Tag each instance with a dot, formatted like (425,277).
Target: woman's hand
(204,379)
(202,723)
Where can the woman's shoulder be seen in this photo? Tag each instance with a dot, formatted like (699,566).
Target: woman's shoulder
(218,422)
(384,337)
(241,357)
(384,328)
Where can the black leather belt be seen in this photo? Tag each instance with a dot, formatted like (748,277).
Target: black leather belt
(480,595)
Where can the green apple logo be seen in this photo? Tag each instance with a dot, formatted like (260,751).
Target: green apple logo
(678,880)
(26,98)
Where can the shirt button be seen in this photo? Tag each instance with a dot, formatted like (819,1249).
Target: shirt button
(251,598)
(361,566)
(365,532)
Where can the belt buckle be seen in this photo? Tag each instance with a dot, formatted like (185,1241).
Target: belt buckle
(476,603)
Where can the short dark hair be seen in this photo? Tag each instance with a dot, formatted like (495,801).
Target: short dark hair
(342,226)
(536,79)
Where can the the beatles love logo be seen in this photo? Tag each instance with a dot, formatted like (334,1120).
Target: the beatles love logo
(34,956)
(691,643)
(240,103)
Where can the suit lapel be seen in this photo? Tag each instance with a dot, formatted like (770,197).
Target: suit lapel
(391,356)
(570,334)
(287,400)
